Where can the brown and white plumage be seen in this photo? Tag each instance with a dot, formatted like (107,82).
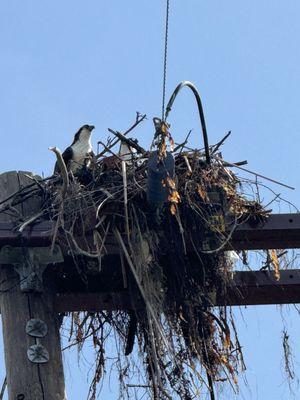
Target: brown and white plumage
(78,154)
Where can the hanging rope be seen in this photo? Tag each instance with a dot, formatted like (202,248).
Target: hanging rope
(165,60)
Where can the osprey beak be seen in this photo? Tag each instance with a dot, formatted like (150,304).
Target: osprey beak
(91,127)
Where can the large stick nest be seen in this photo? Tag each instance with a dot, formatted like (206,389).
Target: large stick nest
(168,254)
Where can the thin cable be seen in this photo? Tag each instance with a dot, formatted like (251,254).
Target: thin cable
(165,61)
(200,109)
(226,163)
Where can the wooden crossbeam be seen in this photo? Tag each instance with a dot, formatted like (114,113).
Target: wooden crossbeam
(280,231)
(246,288)
(261,288)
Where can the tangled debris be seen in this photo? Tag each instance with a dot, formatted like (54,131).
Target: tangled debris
(155,224)
(169,215)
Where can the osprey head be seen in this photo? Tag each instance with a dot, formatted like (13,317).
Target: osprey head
(84,133)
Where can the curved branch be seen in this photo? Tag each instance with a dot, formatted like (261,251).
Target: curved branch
(63,170)
(200,109)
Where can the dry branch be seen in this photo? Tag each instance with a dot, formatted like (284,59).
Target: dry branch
(63,170)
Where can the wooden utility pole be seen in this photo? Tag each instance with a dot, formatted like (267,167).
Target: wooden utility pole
(30,324)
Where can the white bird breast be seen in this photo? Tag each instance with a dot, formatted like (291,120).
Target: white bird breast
(81,149)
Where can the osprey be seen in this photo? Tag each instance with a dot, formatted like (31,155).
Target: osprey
(126,152)
(79,153)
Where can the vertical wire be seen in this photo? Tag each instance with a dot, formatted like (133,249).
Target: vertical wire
(165,60)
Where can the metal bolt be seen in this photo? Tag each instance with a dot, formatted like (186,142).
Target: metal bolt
(36,328)
(38,354)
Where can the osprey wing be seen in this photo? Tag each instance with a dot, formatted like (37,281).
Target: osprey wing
(67,155)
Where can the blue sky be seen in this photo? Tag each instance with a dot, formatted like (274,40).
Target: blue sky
(66,63)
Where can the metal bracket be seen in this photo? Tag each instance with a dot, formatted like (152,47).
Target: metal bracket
(30,264)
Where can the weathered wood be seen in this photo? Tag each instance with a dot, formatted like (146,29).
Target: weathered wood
(33,381)
(246,288)
(25,379)
(11,182)
(98,301)
(261,287)
(280,231)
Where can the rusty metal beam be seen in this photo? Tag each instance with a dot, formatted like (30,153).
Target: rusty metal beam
(280,231)
(246,288)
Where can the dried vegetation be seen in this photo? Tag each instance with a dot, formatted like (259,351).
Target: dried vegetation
(156,225)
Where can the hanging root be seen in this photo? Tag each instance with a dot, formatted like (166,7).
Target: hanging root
(288,356)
